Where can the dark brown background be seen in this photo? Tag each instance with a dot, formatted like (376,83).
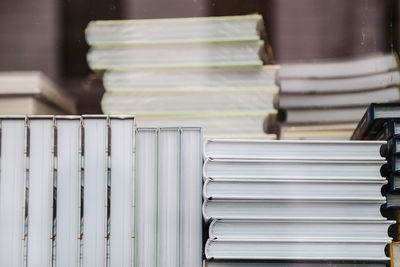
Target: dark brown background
(48,35)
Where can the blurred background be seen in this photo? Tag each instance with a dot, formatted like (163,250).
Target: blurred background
(49,35)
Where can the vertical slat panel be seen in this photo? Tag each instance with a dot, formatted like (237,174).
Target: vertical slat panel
(191,197)
(68,191)
(95,190)
(40,205)
(12,191)
(146,198)
(122,191)
(168,197)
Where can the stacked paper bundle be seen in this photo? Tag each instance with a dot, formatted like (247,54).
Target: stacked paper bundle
(32,93)
(101,193)
(294,200)
(193,71)
(326,99)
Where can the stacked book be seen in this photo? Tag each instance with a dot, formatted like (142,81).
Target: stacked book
(191,71)
(32,93)
(94,190)
(382,122)
(326,99)
(310,201)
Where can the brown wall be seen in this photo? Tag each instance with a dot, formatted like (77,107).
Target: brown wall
(311,29)
(48,35)
(29,36)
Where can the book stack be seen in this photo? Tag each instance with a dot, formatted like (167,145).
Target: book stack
(381,122)
(326,99)
(94,190)
(32,93)
(191,71)
(312,201)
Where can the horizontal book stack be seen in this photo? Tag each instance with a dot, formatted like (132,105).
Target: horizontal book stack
(317,202)
(193,71)
(94,190)
(326,99)
(382,122)
(32,93)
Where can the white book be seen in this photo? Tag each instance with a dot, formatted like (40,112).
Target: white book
(342,131)
(276,149)
(323,135)
(191,198)
(322,115)
(168,197)
(363,99)
(146,197)
(12,190)
(293,209)
(122,160)
(340,85)
(337,68)
(295,169)
(366,250)
(68,183)
(269,263)
(292,189)
(40,202)
(214,125)
(171,30)
(299,229)
(177,55)
(36,85)
(26,105)
(192,80)
(95,165)
(187,103)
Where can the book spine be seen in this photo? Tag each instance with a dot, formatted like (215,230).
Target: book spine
(393,185)
(387,132)
(391,148)
(391,168)
(390,129)
(364,124)
(386,149)
(372,132)
(395,131)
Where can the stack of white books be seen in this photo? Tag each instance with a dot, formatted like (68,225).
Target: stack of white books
(326,99)
(32,93)
(294,200)
(94,190)
(193,71)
